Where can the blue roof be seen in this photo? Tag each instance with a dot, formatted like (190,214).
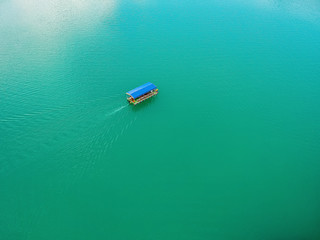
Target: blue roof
(143,89)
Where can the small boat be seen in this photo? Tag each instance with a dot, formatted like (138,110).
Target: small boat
(139,94)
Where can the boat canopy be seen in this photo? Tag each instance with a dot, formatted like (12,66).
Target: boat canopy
(143,89)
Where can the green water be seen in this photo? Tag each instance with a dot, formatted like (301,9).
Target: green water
(229,149)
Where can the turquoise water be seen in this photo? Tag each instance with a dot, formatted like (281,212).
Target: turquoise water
(229,149)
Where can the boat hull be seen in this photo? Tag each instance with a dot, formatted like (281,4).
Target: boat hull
(142,98)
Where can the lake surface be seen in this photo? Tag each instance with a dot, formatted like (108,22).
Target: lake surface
(229,149)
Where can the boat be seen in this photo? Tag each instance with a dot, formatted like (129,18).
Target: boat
(142,93)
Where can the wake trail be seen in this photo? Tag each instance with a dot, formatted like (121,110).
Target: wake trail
(116,110)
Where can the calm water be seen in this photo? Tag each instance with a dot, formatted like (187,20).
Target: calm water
(229,149)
